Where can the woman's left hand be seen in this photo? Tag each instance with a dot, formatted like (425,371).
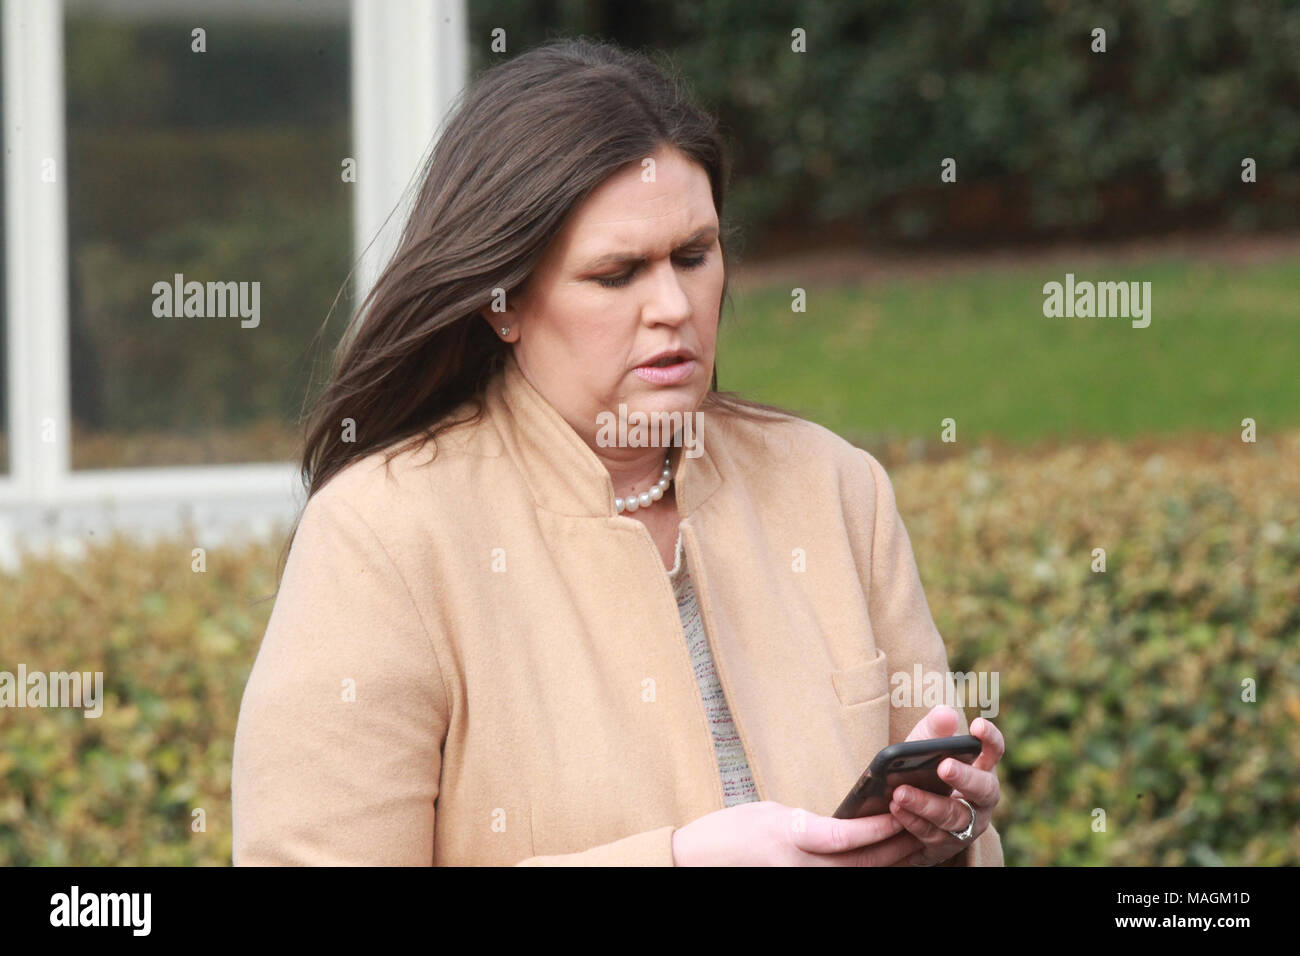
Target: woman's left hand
(932,818)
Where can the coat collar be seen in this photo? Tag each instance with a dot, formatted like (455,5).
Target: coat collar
(561,470)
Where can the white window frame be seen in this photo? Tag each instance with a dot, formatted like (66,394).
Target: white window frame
(409,62)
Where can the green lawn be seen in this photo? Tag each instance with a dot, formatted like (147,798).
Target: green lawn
(895,357)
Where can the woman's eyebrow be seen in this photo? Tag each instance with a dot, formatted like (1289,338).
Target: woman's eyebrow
(631,258)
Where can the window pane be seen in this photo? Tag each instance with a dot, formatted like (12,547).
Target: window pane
(205,163)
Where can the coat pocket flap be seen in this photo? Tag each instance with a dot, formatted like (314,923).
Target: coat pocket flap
(861,682)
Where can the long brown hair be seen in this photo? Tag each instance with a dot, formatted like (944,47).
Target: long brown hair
(529,140)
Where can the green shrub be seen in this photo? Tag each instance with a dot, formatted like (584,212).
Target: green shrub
(1119,690)
(1049,137)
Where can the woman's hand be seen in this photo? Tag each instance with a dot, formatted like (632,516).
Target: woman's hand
(930,817)
(771,834)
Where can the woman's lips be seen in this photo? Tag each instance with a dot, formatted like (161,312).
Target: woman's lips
(667,374)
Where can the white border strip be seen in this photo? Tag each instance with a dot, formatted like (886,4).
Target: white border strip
(409,61)
(36,248)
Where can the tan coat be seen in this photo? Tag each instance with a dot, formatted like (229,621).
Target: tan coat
(475,660)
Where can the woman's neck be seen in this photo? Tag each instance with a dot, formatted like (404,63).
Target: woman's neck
(634,470)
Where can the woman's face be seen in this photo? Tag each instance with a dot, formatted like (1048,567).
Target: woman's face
(635,272)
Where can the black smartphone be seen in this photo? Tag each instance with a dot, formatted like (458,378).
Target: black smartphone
(914,763)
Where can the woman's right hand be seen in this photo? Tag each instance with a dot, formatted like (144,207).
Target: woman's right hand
(771,834)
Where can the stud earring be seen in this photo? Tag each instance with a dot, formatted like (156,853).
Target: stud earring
(505,330)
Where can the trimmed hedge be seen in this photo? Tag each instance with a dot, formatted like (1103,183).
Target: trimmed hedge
(1119,691)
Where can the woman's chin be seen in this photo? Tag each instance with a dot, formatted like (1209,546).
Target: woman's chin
(651,419)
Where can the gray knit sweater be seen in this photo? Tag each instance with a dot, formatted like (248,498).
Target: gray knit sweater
(737,783)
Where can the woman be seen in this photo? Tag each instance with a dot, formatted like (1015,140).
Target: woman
(544,639)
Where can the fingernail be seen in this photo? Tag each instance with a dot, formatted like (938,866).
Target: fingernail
(902,796)
(897,826)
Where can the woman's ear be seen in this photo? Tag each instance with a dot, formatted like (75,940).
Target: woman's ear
(504,323)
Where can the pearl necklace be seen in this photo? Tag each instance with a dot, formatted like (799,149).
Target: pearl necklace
(647,498)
